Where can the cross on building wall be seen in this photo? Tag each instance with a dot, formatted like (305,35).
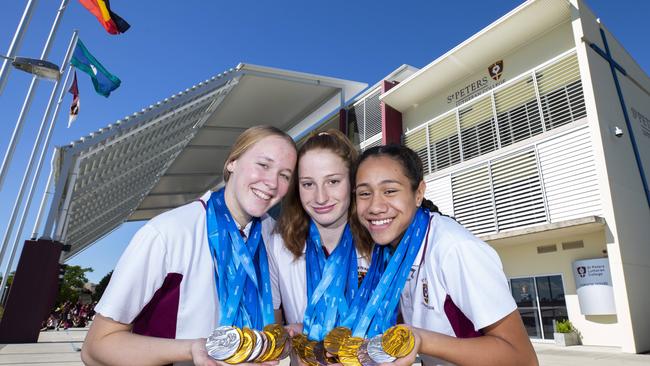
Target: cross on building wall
(613,65)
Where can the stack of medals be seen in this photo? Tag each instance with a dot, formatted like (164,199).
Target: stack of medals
(398,341)
(234,345)
(364,344)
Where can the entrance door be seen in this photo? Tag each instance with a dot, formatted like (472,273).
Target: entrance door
(540,301)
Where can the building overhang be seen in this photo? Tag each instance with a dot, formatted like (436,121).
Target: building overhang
(518,27)
(543,233)
(172,152)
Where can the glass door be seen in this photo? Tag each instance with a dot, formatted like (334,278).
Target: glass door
(550,294)
(525,295)
(540,301)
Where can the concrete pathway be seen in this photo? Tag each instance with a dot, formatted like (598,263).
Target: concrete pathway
(54,348)
(61,348)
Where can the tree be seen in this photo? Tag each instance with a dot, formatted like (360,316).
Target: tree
(74,279)
(101,286)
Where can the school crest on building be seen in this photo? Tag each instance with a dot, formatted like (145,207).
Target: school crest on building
(496,70)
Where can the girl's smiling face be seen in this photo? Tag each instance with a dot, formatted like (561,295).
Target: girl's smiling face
(386,201)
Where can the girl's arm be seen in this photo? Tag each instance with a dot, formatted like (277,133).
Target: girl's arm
(111,343)
(503,343)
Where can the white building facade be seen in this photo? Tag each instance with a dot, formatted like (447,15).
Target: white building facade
(524,141)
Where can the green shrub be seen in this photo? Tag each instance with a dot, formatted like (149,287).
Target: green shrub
(564,326)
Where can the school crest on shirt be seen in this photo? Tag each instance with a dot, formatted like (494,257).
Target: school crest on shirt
(425,295)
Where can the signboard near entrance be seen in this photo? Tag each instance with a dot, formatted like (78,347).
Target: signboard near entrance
(594,286)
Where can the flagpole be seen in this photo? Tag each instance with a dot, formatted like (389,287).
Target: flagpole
(16,42)
(48,192)
(28,98)
(28,171)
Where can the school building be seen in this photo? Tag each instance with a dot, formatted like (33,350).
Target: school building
(535,135)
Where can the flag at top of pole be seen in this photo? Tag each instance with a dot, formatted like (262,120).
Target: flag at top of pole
(101,9)
(74,107)
(103,81)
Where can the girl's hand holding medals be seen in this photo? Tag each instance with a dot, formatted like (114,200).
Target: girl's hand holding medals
(234,345)
(340,347)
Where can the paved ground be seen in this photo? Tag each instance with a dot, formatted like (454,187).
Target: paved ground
(62,349)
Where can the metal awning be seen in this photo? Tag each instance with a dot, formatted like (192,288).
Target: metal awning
(519,26)
(172,152)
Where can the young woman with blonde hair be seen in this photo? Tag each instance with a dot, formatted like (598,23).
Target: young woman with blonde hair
(170,288)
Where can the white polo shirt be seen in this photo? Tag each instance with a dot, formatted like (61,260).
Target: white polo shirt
(289,279)
(457,286)
(164,282)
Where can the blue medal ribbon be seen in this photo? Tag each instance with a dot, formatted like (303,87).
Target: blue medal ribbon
(332,283)
(241,268)
(374,309)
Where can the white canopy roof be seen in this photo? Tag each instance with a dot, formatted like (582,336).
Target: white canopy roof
(170,153)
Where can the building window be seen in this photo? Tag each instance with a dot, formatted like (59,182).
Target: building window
(510,114)
(364,121)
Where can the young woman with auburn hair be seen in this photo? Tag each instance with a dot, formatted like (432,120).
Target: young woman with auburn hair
(317,229)
(456,298)
(169,289)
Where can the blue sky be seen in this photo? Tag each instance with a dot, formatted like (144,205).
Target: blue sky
(173,45)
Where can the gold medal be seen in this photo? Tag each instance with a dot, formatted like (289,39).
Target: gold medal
(349,350)
(248,342)
(286,350)
(298,342)
(270,347)
(319,354)
(335,338)
(398,341)
(310,357)
(281,337)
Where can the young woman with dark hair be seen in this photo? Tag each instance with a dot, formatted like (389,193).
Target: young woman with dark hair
(456,298)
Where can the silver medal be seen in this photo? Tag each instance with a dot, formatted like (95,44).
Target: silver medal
(257,349)
(363,356)
(376,352)
(223,343)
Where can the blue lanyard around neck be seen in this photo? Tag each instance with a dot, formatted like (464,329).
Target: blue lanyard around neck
(241,268)
(331,282)
(374,309)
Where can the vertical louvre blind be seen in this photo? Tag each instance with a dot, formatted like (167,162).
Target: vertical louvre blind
(560,92)
(570,176)
(518,191)
(517,112)
(417,141)
(478,133)
(439,192)
(443,142)
(552,181)
(473,202)
(365,119)
(517,116)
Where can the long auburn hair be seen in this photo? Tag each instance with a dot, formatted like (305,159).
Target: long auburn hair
(293,224)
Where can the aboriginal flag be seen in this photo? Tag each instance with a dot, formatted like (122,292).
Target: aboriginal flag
(101,9)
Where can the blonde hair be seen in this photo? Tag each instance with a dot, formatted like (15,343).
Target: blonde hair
(249,138)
